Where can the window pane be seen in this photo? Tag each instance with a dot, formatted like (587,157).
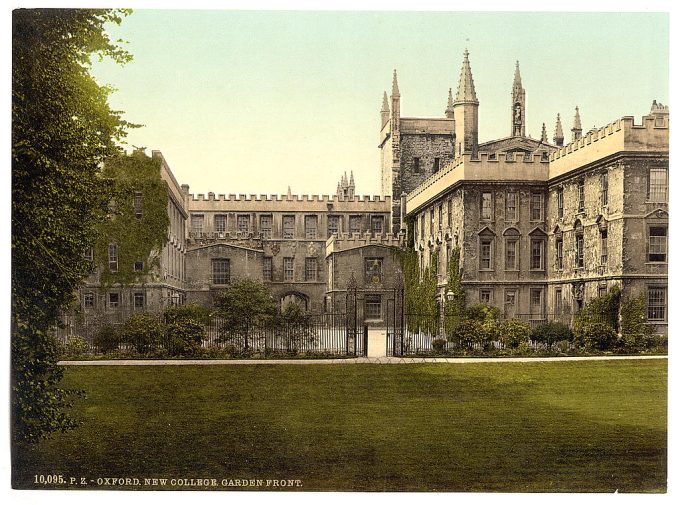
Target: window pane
(243,223)
(220,223)
(355,224)
(486,205)
(511,254)
(197,223)
(267,268)
(511,207)
(288,226)
(288,272)
(373,307)
(310,227)
(310,269)
(220,271)
(333,225)
(656,304)
(536,206)
(377,224)
(658,185)
(266,227)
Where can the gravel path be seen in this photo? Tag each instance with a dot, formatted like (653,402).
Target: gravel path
(347,361)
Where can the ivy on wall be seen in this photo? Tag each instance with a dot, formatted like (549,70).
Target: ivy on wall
(138,233)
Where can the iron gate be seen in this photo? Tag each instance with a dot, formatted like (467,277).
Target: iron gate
(380,307)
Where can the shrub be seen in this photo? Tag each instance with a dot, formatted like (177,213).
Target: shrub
(76,346)
(143,331)
(636,334)
(482,312)
(184,337)
(107,338)
(513,332)
(595,335)
(438,344)
(189,312)
(563,346)
(551,332)
(471,332)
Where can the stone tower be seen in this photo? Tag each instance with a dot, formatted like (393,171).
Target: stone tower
(518,106)
(576,131)
(559,134)
(466,112)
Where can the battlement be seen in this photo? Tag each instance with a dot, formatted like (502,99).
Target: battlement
(345,241)
(494,167)
(621,135)
(241,197)
(286,203)
(432,126)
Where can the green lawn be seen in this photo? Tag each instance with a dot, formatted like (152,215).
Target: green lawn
(560,426)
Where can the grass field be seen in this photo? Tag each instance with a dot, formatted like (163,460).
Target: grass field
(560,426)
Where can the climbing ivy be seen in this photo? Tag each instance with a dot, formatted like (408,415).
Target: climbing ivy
(454,310)
(138,237)
(420,290)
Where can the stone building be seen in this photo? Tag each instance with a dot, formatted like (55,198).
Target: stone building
(369,262)
(543,228)
(280,240)
(165,285)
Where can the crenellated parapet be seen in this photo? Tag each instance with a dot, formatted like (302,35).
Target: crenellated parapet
(345,241)
(621,135)
(286,203)
(490,167)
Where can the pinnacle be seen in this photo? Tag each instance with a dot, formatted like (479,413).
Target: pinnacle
(544,134)
(577,120)
(466,85)
(517,83)
(385,104)
(395,85)
(559,134)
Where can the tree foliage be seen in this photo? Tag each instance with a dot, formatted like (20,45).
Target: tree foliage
(138,234)
(245,303)
(62,131)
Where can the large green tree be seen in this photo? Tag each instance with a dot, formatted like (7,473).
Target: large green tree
(62,131)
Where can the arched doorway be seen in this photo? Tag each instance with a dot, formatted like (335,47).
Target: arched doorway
(299,299)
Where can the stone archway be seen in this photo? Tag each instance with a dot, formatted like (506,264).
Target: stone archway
(295,297)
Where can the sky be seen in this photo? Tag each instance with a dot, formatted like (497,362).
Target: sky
(256,101)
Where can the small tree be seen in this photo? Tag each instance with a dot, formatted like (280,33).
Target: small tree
(144,332)
(107,338)
(244,304)
(635,332)
(551,333)
(184,337)
(513,332)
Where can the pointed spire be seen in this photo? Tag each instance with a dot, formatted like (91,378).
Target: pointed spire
(386,104)
(466,86)
(559,134)
(449,106)
(576,131)
(351,178)
(544,135)
(517,83)
(577,120)
(385,111)
(290,194)
(395,85)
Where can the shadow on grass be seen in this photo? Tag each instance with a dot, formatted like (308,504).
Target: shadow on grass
(480,427)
